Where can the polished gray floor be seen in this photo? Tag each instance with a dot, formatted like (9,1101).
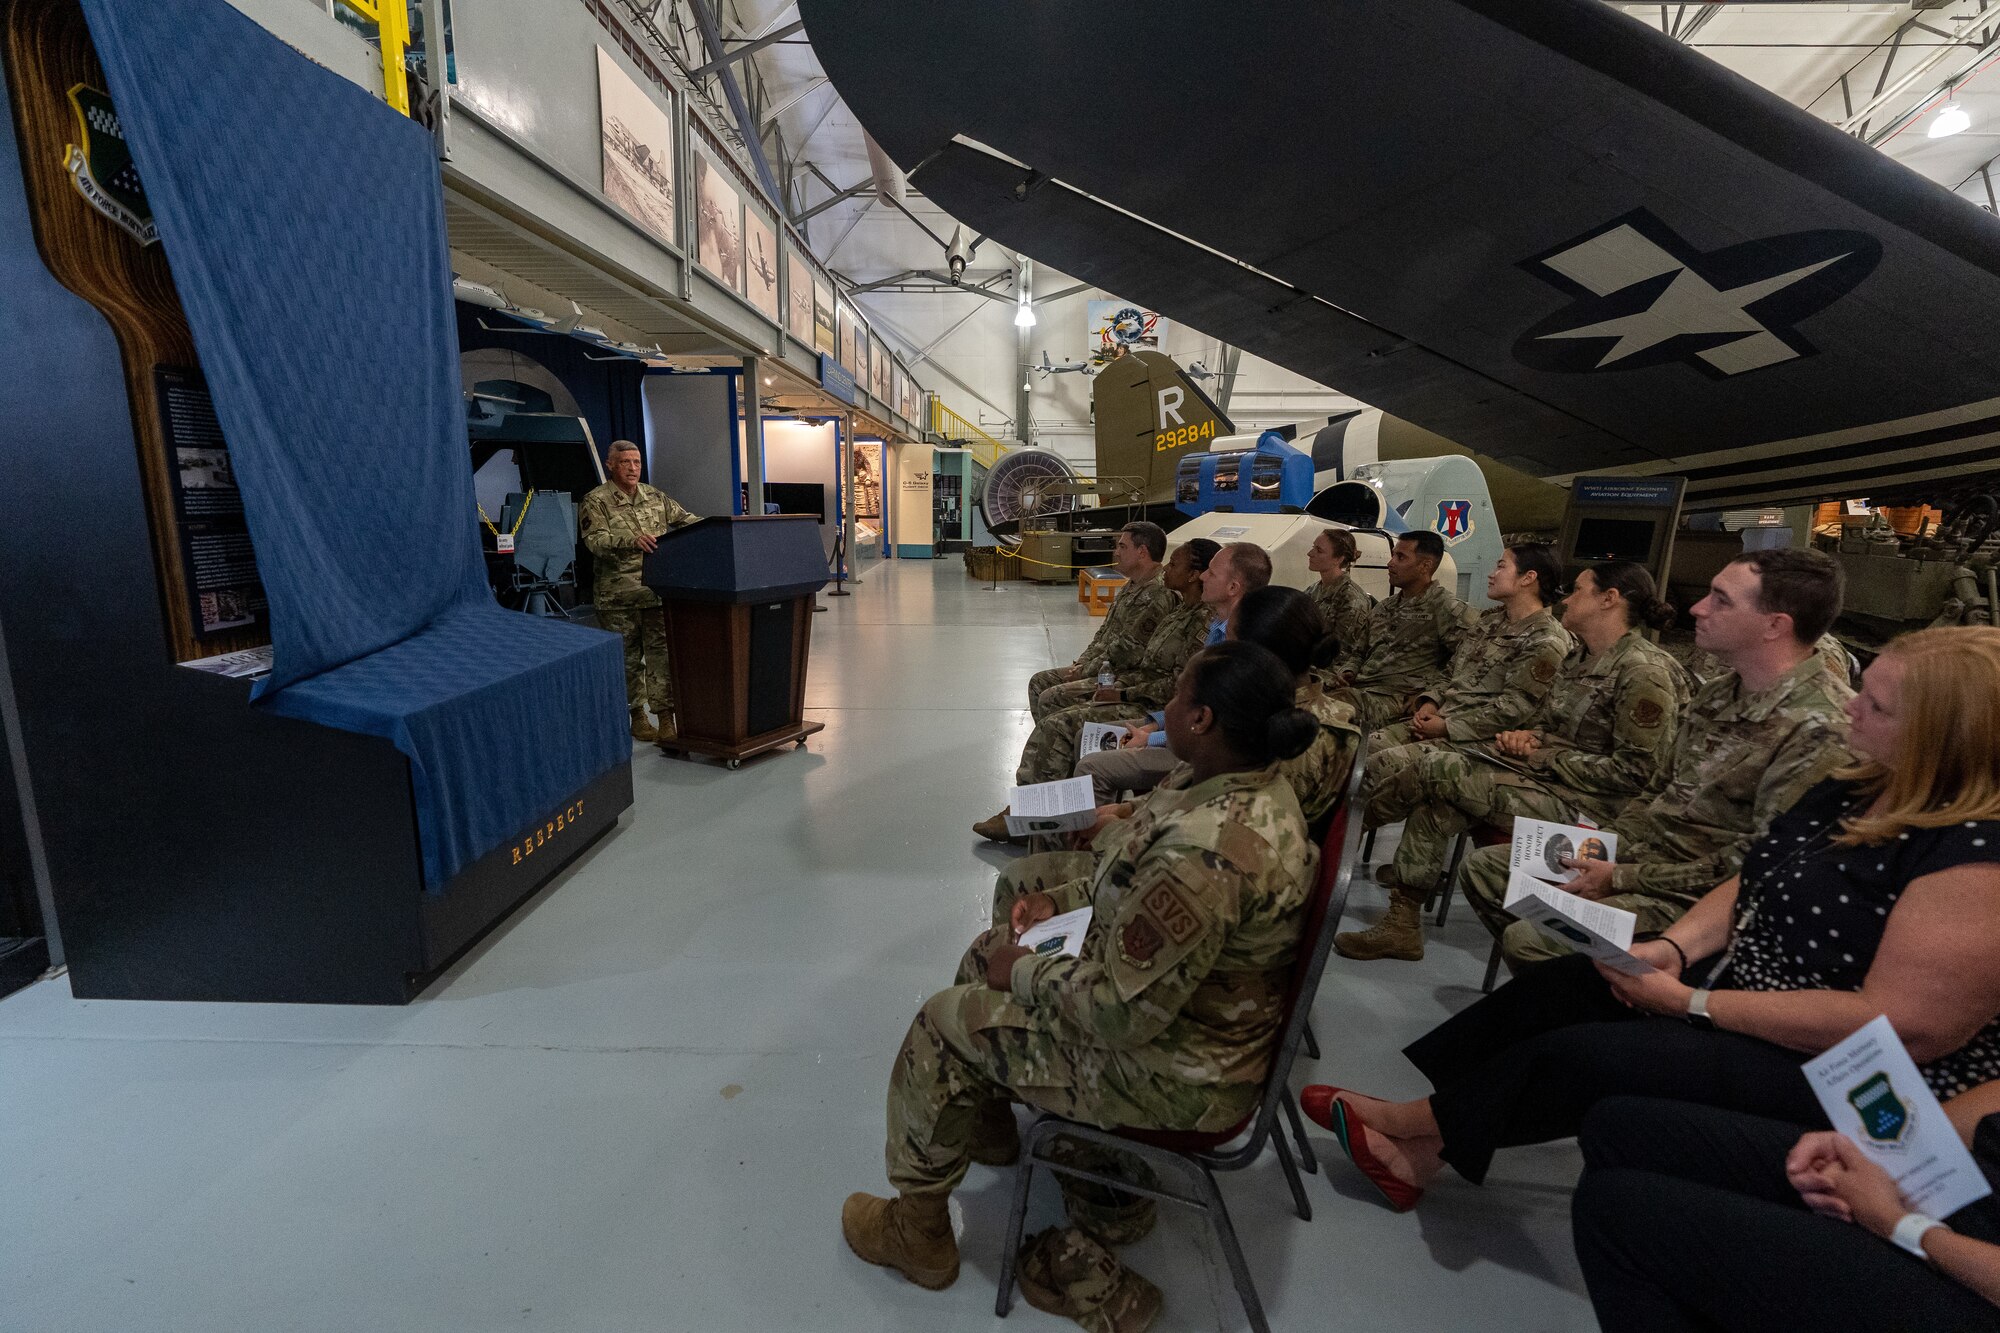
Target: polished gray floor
(640,1104)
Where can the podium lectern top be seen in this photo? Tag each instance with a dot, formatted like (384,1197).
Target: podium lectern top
(755,559)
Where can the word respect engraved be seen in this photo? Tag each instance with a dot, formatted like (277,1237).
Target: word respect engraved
(561,823)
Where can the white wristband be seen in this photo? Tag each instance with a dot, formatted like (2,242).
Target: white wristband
(1910,1231)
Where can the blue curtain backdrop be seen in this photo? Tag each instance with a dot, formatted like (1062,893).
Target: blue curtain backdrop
(304,221)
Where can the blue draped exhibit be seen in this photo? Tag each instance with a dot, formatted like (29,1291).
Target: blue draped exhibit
(304,223)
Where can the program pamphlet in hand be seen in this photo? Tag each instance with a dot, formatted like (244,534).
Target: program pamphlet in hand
(1540,848)
(1098,736)
(1051,807)
(1871,1092)
(1059,934)
(1604,933)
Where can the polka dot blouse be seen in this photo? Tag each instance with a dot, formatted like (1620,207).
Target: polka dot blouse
(1811,913)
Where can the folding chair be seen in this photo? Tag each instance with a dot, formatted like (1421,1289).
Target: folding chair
(1194,1158)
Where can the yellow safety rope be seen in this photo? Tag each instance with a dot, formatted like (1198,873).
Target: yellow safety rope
(519,518)
(1016,555)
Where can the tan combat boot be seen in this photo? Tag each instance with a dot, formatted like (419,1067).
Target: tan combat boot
(910,1233)
(994,829)
(996,1138)
(666,728)
(1399,934)
(1065,1272)
(642,726)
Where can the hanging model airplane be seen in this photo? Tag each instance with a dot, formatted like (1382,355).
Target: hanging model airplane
(1538,229)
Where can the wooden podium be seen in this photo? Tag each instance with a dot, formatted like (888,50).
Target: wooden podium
(739,598)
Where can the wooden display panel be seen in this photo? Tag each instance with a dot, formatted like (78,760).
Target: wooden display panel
(48,51)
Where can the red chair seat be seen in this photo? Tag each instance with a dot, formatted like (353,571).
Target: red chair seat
(1185,1140)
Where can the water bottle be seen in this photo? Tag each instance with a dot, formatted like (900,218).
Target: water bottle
(1106,678)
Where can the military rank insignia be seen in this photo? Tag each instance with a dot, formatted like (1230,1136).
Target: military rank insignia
(101,165)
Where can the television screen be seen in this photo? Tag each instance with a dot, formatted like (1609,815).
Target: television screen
(1614,539)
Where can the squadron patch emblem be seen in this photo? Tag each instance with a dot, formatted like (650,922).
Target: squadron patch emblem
(1175,917)
(1140,942)
(101,165)
(1544,671)
(1647,713)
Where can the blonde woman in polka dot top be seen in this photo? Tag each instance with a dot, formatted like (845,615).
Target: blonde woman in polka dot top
(1877,893)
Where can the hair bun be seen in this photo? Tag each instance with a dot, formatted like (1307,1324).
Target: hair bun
(1291,731)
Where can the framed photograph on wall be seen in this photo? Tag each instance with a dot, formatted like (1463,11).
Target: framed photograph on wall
(638,150)
(718,223)
(850,355)
(824,338)
(760,263)
(899,390)
(880,366)
(864,369)
(798,297)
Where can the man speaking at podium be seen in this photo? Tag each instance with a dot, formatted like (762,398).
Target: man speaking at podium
(622,521)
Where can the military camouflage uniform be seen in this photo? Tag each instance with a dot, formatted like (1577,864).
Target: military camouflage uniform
(1707,666)
(1740,759)
(1121,640)
(1605,729)
(1345,606)
(1317,777)
(1408,643)
(612,522)
(1502,671)
(1050,752)
(1169,1018)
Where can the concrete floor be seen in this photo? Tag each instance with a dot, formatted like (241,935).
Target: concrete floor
(639,1105)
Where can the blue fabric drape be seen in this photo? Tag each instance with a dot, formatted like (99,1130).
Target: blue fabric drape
(503,716)
(305,224)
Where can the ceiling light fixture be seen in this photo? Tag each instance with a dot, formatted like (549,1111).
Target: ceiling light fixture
(1024,316)
(1951,119)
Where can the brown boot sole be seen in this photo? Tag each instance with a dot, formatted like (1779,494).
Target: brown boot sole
(930,1279)
(1362,949)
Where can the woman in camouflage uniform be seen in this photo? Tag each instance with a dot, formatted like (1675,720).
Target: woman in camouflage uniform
(1168,1019)
(1341,601)
(1601,735)
(1285,621)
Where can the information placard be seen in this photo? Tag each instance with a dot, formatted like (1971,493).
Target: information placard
(217,561)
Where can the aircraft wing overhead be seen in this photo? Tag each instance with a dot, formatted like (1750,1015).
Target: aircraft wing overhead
(1537,227)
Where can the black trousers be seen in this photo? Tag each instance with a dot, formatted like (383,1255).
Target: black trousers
(1527,1062)
(1685,1223)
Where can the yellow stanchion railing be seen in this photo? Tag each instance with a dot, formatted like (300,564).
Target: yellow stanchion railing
(392,22)
(984,448)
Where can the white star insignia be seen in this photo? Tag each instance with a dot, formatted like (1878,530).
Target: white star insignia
(1622,258)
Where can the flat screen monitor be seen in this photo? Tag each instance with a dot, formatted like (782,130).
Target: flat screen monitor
(1614,539)
(797,497)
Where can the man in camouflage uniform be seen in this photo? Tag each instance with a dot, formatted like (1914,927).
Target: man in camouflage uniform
(1051,749)
(1755,739)
(1167,1020)
(1411,636)
(1135,613)
(1342,602)
(622,521)
(1603,731)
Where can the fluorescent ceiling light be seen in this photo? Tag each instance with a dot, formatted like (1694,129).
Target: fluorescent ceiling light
(1951,119)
